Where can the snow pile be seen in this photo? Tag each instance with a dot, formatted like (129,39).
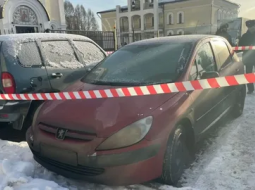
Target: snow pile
(18,171)
(228,163)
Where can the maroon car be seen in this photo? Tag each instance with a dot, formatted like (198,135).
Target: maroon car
(130,140)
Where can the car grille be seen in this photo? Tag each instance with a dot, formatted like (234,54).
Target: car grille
(80,170)
(70,134)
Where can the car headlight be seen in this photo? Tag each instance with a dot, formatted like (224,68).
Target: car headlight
(36,114)
(127,136)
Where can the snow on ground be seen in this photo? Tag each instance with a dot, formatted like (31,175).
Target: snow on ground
(228,163)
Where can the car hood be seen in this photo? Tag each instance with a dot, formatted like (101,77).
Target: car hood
(100,116)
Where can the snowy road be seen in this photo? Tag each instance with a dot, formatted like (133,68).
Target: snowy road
(227,163)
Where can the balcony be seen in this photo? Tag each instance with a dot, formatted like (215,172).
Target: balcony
(148,5)
(135,6)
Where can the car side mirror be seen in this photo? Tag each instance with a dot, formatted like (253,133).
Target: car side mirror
(211,74)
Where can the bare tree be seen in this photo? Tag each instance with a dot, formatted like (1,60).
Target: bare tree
(94,25)
(69,14)
(89,17)
(83,17)
(79,19)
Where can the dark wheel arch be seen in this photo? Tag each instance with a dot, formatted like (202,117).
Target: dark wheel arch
(239,102)
(30,115)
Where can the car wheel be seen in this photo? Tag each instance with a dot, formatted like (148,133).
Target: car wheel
(177,157)
(239,103)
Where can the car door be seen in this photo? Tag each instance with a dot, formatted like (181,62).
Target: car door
(28,70)
(205,105)
(62,63)
(228,66)
(67,61)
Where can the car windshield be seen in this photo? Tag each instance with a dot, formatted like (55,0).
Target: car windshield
(141,65)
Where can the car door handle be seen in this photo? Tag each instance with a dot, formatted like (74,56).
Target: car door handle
(56,75)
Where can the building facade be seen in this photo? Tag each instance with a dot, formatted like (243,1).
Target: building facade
(30,16)
(142,19)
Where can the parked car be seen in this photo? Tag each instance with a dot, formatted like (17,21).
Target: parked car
(31,63)
(120,141)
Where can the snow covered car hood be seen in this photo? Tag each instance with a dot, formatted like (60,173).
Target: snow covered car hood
(103,116)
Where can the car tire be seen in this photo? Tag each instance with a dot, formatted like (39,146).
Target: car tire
(239,103)
(177,157)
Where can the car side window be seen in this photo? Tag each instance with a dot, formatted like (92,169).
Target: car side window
(60,55)
(29,55)
(204,62)
(222,53)
(90,53)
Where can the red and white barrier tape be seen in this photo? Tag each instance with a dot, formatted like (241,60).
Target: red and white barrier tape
(109,52)
(138,91)
(240,48)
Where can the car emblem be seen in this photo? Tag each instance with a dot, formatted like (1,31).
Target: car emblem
(61,133)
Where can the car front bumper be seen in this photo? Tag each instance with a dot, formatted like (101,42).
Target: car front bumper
(124,168)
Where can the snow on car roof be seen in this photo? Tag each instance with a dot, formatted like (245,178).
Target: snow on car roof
(13,42)
(22,37)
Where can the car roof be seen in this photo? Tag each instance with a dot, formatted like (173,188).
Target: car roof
(174,39)
(41,36)
(12,41)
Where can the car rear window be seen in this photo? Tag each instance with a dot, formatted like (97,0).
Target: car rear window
(60,54)
(29,55)
(141,65)
(89,52)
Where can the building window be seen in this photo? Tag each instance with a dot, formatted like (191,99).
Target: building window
(170,18)
(152,21)
(219,15)
(224,15)
(180,32)
(170,32)
(180,17)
